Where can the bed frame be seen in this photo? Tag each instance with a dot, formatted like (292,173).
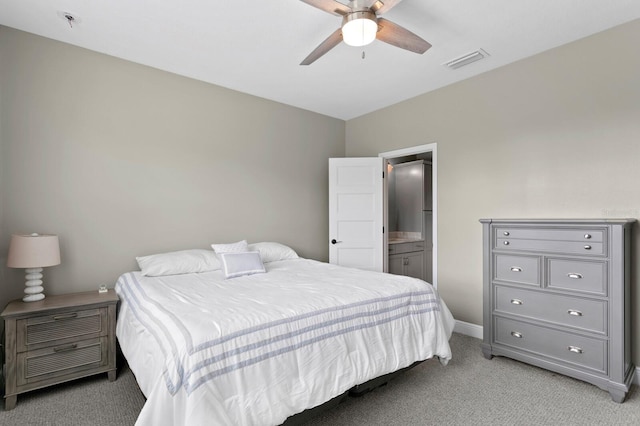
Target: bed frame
(356,391)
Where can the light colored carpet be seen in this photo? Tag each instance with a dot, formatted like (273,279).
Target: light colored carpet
(474,391)
(91,401)
(469,391)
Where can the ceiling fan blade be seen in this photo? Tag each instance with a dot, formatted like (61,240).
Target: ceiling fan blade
(331,6)
(383,6)
(332,41)
(400,37)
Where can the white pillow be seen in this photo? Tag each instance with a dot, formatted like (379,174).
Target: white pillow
(241,263)
(240,246)
(270,252)
(178,262)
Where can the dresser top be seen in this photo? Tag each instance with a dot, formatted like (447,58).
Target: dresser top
(595,221)
(89,298)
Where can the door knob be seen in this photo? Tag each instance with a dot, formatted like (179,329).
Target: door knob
(334,241)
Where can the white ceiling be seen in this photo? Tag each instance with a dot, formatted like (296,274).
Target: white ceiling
(255,46)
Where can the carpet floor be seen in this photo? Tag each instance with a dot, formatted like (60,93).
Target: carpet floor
(469,391)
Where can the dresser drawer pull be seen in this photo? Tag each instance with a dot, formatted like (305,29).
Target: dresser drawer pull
(516,302)
(587,247)
(574,312)
(587,236)
(516,334)
(66,348)
(506,233)
(506,243)
(575,276)
(575,349)
(64,317)
(516,269)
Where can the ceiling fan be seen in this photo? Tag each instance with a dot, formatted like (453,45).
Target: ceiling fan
(361,25)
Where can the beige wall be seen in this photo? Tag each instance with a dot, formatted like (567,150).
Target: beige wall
(555,135)
(123,160)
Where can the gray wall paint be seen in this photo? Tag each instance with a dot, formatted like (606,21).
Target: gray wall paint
(555,135)
(122,160)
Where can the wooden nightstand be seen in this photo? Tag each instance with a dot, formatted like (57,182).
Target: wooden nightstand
(57,339)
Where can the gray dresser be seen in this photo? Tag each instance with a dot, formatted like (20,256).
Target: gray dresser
(556,295)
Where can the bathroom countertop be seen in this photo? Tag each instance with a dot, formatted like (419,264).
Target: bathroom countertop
(405,240)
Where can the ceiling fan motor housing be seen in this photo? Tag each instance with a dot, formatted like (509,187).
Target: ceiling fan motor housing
(360,14)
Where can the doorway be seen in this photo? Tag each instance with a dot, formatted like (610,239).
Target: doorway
(428,153)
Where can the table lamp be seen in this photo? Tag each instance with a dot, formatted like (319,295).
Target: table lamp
(33,252)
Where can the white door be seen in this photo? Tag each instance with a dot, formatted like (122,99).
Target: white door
(356,212)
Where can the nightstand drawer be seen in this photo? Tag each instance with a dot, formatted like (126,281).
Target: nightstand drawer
(61,327)
(555,344)
(60,360)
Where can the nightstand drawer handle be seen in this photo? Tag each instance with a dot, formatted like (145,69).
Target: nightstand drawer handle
(575,349)
(64,317)
(574,276)
(516,334)
(66,348)
(587,247)
(506,233)
(516,301)
(506,243)
(587,236)
(574,312)
(516,269)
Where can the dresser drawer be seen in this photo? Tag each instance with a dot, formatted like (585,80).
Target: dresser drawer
(71,358)
(585,314)
(552,234)
(576,275)
(551,246)
(517,269)
(46,330)
(585,352)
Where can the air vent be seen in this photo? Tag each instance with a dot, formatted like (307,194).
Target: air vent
(466,59)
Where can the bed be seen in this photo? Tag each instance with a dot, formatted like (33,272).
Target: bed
(259,347)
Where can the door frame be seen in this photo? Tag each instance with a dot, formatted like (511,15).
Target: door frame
(420,149)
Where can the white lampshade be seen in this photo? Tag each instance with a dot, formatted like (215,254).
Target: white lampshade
(33,251)
(359,29)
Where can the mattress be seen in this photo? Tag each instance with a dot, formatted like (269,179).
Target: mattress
(257,349)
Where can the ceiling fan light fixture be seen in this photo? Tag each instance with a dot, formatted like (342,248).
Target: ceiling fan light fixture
(359,28)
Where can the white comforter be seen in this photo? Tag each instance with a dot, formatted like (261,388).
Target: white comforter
(255,350)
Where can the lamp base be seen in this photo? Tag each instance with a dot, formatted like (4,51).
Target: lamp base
(33,285)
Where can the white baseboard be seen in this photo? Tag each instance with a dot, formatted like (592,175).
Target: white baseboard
(475,330)
(468,329)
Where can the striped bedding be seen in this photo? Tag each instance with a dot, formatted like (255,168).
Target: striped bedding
(257,349)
